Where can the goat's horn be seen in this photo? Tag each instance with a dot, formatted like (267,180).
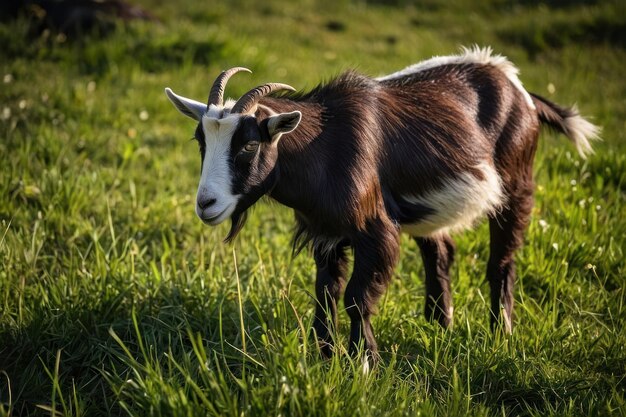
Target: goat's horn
(248,100)
(216,96)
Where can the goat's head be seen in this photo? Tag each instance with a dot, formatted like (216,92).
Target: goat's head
(238,144)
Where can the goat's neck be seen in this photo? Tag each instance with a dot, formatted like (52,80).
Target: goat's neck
(299,166)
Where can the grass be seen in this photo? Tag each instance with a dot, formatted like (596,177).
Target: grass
(115,300)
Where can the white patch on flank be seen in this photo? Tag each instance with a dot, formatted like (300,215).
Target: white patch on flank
(580,131)
(216,179)
(458,203)
(475,55)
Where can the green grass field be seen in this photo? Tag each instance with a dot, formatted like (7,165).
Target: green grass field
(116,300)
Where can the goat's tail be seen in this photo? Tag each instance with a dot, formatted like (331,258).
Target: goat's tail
(569,122)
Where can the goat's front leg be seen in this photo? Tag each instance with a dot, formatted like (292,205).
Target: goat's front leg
(437,255)
(375,256)
(331,276)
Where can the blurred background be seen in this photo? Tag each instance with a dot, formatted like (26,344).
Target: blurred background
(116,300)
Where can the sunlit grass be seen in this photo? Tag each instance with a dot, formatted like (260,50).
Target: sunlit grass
(115,300)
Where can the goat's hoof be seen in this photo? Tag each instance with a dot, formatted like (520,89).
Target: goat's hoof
(369,361)
(502,324)
(326,348)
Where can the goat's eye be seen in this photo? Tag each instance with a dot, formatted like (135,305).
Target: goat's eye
(251,146)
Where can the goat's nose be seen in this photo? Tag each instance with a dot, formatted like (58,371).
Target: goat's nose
(206,202)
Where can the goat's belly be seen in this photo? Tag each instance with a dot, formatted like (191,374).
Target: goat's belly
(458,203)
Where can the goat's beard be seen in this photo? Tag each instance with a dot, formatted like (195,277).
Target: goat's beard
(240,215)
(238,219)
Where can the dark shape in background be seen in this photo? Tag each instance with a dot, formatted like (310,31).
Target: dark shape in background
(73,18)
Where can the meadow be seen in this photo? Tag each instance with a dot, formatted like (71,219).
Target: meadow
(116,300)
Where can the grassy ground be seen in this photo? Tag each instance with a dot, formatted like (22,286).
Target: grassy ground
(115,300)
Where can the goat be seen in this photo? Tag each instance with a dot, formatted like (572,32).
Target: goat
(426,151)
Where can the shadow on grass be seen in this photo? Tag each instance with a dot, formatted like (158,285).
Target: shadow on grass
(497,372)
(552,31)
(81,335)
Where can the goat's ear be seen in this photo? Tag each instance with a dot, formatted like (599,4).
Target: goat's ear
(282,123)
(186,106)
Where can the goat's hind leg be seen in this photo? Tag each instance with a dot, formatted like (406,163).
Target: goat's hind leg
(507,235)
(437,255)
(331,277)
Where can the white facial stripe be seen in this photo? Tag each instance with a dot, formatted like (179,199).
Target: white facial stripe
(475,55)
(219,112)
(458,203)
(216,177)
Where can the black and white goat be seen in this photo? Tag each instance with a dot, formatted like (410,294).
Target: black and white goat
(425,151)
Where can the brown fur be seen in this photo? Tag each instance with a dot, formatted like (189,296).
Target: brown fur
(373,142)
